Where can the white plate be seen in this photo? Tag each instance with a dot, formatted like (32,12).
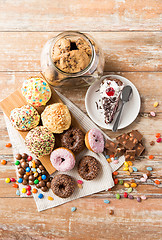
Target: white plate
(130,110)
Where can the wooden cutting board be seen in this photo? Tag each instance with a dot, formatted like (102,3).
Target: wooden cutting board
(16,99)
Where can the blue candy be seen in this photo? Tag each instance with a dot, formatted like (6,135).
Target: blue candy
(107,156)
(28,169)
(135,169)
(73,209)
(20,180)
(149,168)
(40,195)
(33,169)
(106,201)
(18,193)
(116,158)
(44,177)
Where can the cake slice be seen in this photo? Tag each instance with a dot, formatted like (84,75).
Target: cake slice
(110,91)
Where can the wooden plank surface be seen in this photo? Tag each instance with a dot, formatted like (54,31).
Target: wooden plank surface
(94,15)
(129,33)
(124,51)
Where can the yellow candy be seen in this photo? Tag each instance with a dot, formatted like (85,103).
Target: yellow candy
(35,174)
(130,169)
(108,159)
(7,180)
(125,169)
(23,190)
(126,185)
(127,172)
(133,185)
(126,164)
(80,185)
(130,163)
(50,198)
(156,104)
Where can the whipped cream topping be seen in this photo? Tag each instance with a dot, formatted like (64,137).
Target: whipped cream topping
(114,88)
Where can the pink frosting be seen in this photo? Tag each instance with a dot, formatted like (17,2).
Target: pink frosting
(96,140)
(62,159)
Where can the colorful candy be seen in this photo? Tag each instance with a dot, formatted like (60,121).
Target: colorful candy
(143,197)
(157,135)
(130,197)
(20,180)
(153,114)
(80,185)
(28,187)
(8,145)
(126,185)
(80,182)
(149,168)
(135,169)
(157,182)
(40,196)
(115,173)
(125,194)
(3,162)
(18,192)
(126,164)
(28,193)
(34,190)
(23,190)
(12,180)
(151,157)
(7,180)
(121,182)
(116,161)
(117,196)
(29,158)
(130,190)
(130,163)
(73,209)
(143,179)
(125,168)
(133,185)
(138,199)
(158,140)
(106,201)
(50,198)
(156,104)
(15,185)
(17,162)
(27,169)
(36,181)
(44,177)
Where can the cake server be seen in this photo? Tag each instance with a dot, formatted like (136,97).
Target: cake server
(126,92)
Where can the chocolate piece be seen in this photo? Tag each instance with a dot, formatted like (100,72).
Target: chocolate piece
(139,149)
(20,176)
(26,177)
(24,165)
(152,143)
(38,186)
(127,141)
(24,156)
(44,189)
(130,155)
(42,183)
(31,182)
(37,162)
(41,167)
(48,184)
(110,146)
(18,156)
(136,134)
(25,182)
(31,178)
(22,160)
(21,171)
(119,151)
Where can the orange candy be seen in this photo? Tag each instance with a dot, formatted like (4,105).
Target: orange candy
(27,173)
(33,164)
(157,135)
(15,185)
(151,157)
(111,156)
(157,182)
(39,178)
(34,190)
(8,145)
(3,162)
(115,173)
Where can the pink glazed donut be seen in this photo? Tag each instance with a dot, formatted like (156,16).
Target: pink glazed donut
(94,140)
(62,159)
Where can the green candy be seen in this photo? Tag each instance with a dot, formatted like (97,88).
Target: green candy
(129,190)
(17,163)
(121,182)
(117,196)
(36,181)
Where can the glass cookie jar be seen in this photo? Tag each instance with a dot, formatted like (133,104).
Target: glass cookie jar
(72,59)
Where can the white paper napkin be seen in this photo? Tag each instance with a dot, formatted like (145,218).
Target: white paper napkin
(103,181)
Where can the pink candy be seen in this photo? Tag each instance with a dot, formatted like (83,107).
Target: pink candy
(80,181)
(115,161)
(143,179)
(153,114)
(158,140)
(143,197)
(12,180)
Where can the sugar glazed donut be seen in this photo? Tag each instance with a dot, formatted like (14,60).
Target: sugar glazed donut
(89,167)
(94,140)
(73,139)
(63,185)
(62,159)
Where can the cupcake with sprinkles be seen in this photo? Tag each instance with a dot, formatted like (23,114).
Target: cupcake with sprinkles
(40,141)
(36,91)
(24,118)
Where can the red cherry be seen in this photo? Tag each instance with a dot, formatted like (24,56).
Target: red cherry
(28,187)
(29,158)
(110,91)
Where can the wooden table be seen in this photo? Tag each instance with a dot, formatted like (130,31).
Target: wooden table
(129,32)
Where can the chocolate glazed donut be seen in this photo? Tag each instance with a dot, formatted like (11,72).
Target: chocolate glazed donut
(73,139)
(89,167)
(63,185)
